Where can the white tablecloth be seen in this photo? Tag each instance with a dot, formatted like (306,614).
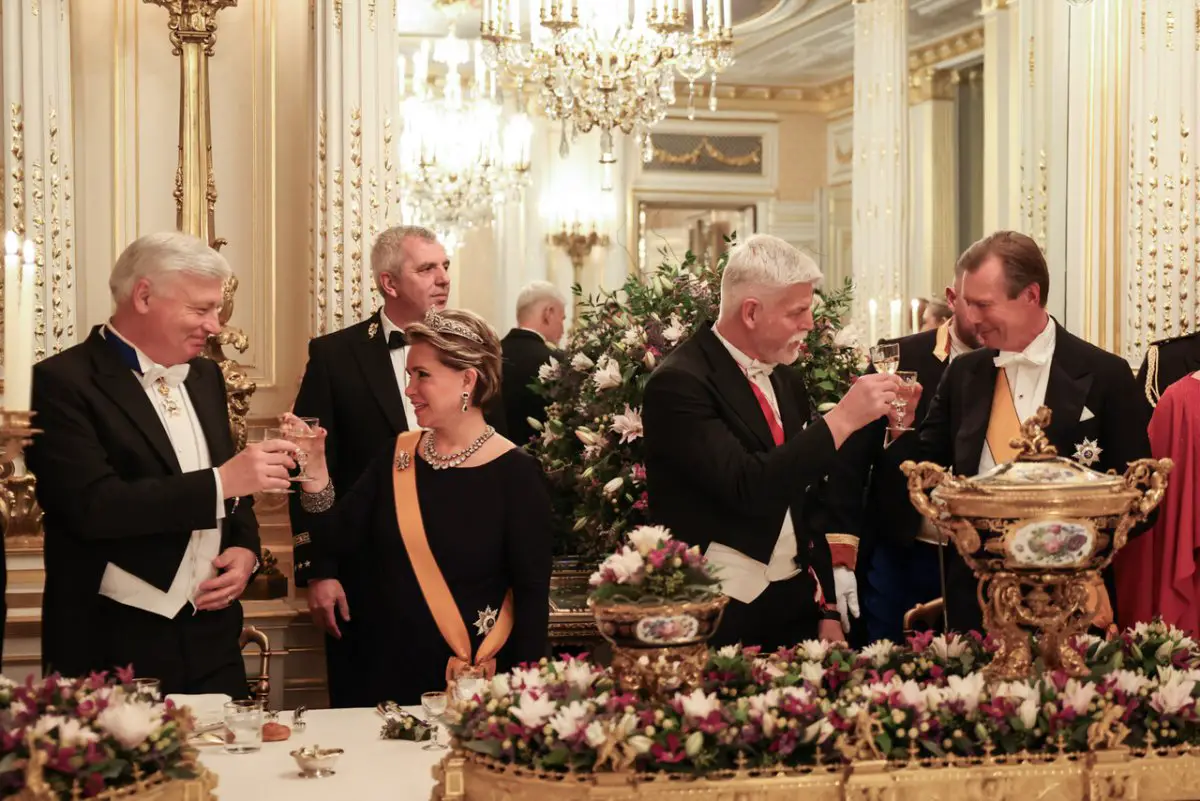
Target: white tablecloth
(371,768)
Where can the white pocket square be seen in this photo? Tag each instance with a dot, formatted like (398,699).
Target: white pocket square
(1087,415)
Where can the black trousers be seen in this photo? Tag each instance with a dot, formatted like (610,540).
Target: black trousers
(784,615)
(194,652)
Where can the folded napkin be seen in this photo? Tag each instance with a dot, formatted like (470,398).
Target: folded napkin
(207,709)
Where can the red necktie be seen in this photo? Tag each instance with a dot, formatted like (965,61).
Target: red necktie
(772,420)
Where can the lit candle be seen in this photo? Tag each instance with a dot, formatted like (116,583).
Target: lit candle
(727,18)
(916,320)
(12,294)
(895,317)
(697,14)
(872,310)
(19,368)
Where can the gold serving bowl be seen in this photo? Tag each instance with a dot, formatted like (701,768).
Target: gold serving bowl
(316,762)
(1036,531)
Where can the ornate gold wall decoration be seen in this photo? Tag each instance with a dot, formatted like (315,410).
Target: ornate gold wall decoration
(960,44)
(356,217)
(16,126)
(318,283)
(192,26)
(705,147)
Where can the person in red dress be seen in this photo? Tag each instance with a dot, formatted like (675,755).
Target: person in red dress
(1157,572)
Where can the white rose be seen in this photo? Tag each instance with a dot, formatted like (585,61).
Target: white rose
(130,722)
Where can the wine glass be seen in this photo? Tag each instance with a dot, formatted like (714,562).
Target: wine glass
(886,357)
(908,380)
(434,705)
(301,431)
(262,434)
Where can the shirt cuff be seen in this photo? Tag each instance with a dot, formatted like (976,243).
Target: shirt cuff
(220,494)
(844,550)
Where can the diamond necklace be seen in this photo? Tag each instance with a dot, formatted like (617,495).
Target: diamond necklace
(439,462)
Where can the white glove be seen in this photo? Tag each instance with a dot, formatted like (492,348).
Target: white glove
(845,586)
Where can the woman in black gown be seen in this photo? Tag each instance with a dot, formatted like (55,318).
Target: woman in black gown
(486,518)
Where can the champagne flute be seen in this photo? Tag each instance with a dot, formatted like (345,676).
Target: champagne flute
(434,705)
(908,380)
(301,431)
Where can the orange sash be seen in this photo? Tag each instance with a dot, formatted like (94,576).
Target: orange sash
(429,575)
(1003,426)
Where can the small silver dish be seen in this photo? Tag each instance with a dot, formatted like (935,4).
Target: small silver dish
(316,762)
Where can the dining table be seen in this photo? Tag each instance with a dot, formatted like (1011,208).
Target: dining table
(371,767)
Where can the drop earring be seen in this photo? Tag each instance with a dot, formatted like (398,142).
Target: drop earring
(465,398)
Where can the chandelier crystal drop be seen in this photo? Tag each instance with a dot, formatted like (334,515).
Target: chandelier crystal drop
(610,64)
(461,154)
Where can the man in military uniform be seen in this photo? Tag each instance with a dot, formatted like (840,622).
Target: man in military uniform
(1167,361)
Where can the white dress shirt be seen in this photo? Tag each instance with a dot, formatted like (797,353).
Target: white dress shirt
(1028,375)
(191,449)
(744,578)
(399,362)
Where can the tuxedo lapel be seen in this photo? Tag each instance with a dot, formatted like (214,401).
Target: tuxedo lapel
(977,409)
(117,381)
(375,359)
(732,385)
(214,417)
(1066,391)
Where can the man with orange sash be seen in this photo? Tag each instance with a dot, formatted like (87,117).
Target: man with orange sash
(1028,360)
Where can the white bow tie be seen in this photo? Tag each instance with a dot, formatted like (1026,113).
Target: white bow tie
(1008,357)
(756,370)
(171,376)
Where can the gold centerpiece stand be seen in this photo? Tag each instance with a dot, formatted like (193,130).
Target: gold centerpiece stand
(1036,531)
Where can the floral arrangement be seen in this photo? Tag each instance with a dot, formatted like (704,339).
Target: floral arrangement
(94,734)
(400,725)
(591,444)
(655,568)
(819,704)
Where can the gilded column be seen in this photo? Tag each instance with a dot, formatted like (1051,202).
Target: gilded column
(1162,284)
(356,188)
(38,157)
(933,181)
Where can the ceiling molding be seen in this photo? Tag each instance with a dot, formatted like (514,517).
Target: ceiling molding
(950,47)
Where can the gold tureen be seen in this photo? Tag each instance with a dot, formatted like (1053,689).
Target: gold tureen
(1036,531)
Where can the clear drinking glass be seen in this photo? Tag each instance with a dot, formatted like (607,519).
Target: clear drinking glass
(434,705)
(148,688)
(301,431)
(886,357)
(262,434)
(243,727)
(908,380)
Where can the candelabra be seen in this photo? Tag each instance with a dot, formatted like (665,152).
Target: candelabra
(193,32)
(577,244)
(599,68)
(19,510)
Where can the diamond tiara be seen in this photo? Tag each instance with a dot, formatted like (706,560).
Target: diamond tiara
(441,325)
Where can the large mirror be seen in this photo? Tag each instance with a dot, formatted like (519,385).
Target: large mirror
(668,230)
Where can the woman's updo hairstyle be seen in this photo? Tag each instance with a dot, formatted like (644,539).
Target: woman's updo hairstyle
(463,341)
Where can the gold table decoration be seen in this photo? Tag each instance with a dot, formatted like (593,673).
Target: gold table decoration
(19,510)
(193,31)
(1036,531)
(659,649)
(1168,775)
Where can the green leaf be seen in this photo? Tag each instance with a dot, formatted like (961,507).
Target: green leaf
(556,758)
(489,747)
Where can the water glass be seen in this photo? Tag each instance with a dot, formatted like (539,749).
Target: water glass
(147,688)
(262,434)
(434,705)
(908,381)
(301,431)
(243,727)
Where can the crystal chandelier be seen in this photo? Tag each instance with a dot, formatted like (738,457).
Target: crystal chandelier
(597,65)
(460,154)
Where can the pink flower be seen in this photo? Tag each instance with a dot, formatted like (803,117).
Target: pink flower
(643,502)
(638,472)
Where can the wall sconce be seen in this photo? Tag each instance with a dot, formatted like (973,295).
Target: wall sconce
(577,241)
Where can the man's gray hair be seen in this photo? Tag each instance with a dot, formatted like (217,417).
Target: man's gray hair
(154,256)
(762,263)
(536,293)
(387,254)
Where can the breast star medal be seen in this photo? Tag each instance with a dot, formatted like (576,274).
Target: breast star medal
(1088,452)
(487,619)
(403,460)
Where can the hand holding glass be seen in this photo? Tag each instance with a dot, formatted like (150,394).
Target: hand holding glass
(262,434)
(301,431)
(886,357)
